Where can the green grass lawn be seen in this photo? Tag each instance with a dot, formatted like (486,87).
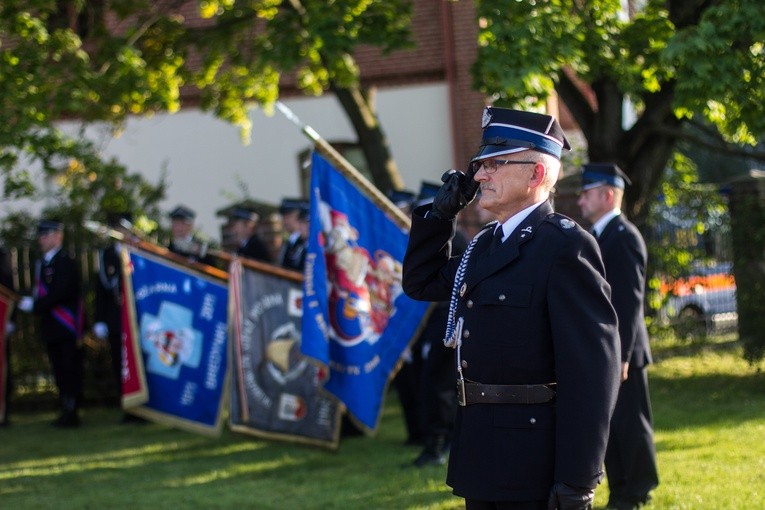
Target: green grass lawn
(709,409)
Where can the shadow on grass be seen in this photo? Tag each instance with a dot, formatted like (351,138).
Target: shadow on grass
(666,350)
(705,383)
(142,465)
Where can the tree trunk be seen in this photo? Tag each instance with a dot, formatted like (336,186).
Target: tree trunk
(358,105)
(642,151)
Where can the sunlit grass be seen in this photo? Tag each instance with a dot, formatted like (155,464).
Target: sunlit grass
(709,414)
(709,411)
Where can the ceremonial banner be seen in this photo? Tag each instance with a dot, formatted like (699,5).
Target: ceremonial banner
(134,390)
(6,308)
(356,318)
(179,326)
(275,392)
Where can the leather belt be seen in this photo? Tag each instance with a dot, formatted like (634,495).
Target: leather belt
(476,393)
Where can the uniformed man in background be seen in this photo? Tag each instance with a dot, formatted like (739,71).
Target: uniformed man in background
(56,299)
(631,454)
(249,243)
(107,321)
(294,213)
(184,242)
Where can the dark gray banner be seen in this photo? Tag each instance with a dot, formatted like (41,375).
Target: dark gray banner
(276,392)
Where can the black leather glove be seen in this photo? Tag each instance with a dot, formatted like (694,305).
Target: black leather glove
(456,192)
(565,497)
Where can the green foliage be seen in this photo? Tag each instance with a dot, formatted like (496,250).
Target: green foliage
(313,39)
(84,186)
(715,61)
(233,52)
(674,62)
(720,67)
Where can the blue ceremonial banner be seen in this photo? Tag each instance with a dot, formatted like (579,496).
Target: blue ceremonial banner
(180,321)
(356,318)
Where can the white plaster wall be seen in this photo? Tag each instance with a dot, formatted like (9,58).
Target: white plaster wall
(206,160)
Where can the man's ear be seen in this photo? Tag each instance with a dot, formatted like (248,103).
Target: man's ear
(538,175)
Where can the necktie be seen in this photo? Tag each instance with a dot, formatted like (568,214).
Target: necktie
(496,242)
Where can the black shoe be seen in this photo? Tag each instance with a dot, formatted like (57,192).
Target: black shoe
(429,458)
(414,441)
(622,505)
(128,418)
(67,421)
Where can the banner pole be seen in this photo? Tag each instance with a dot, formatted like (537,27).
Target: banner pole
(348,170)
(103,231)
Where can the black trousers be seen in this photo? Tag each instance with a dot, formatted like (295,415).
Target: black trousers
(407,384)
(66,360)
(438,391)
(115,349)
(8,383)
(631,454)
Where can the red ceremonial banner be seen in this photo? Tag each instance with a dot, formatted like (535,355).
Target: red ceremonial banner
(134,387)
(6,308)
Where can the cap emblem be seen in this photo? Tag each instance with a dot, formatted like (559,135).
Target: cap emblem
(486,117)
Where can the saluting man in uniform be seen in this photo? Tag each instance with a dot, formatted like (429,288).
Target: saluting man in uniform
(631,454)
(530,318)
(56,300)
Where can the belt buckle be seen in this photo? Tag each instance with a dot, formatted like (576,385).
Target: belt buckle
(461,399)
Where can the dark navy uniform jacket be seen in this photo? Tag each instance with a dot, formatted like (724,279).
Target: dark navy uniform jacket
(108,302)
(625,258)
(255,249)
(192,256)
(294,253)
(61,278)
(535,311)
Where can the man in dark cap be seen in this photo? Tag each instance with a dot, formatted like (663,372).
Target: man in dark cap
(249,244)
(183,241)
(631,455)
(294,213)
(409,376)
(531,322)
(56,300)
(437,397)
(108,303)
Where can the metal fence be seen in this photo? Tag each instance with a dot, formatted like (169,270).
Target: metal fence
(692,265)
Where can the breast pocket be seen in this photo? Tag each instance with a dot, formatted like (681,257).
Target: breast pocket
(500,305)
(496,293)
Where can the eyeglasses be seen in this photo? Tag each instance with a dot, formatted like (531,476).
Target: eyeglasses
(490,166)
